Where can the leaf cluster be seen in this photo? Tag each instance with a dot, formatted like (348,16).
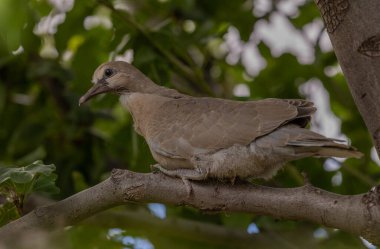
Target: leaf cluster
(16,184)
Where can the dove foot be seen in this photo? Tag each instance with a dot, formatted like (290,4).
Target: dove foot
(190,174)
(184,174)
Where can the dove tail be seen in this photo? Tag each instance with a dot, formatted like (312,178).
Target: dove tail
(327,150)
(308,143)
(339,152)
(290,142)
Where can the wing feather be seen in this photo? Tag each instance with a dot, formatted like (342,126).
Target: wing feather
(188,126)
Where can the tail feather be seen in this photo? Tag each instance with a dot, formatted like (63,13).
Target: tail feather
(308,143)
(339,150)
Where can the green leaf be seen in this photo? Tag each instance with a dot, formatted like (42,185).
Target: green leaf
(24,180)
(46,184)
(17,183)
(20,177)
(8,212)
(24,175)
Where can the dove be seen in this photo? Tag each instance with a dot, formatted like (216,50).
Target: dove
(196,138)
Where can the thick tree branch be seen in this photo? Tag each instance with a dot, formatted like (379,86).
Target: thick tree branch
(139,220)
(355,34)
(357,214)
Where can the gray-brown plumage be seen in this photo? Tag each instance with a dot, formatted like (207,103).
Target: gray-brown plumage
(196,138)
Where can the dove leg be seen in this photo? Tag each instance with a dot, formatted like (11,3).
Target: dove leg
(184,174)
(190,174)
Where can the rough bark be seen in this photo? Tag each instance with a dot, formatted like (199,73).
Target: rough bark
(355,35)
(357,214)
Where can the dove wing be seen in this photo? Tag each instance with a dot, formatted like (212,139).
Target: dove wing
(182,128)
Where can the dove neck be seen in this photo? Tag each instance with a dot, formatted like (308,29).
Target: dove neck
(146,86)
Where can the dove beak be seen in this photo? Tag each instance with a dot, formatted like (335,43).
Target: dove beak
(98,88)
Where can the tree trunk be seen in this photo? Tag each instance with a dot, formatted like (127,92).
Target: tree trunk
(354,30)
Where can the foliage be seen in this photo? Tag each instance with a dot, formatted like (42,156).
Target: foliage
(16,184)
(49,49)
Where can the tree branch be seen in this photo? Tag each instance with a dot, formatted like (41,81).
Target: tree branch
(355,35)
(356,214)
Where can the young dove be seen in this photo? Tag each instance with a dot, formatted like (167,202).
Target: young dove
(198,138)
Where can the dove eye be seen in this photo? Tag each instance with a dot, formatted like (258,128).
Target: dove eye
(108,72)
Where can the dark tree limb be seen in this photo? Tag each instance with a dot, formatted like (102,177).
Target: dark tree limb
(356,214)
(354,30)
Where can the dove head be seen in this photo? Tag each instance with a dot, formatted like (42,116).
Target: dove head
(117,77)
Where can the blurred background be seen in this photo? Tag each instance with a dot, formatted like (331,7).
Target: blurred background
(242,49)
